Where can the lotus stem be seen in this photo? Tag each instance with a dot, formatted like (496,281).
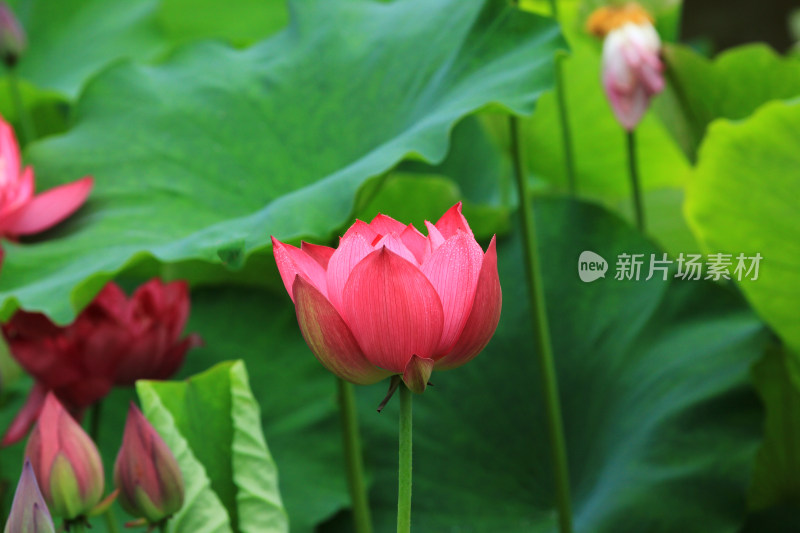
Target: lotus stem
(354,458)
(541,334)
(633,169)
(404,462)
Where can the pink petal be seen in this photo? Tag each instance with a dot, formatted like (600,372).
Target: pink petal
(330,339)
(292,262)
(362,228)
(434,236)
(417,373)
(393,243)
(47,209)
(483,318)
(352,248)
(320,254)
(453,270)
(453,221)
(21,195)
(417,243)
(392,310)
(385,225)
(9,154)
(26,416)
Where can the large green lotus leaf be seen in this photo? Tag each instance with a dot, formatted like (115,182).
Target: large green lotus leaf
(207,155)
(240,21)
(701,90)
(214,421)
(661,423)
(70,40)
(743,200)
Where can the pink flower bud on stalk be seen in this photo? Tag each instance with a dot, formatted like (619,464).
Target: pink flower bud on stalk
(12,36)
(146,473)
(66,462)
(391,301)
(29,513)
(632,67)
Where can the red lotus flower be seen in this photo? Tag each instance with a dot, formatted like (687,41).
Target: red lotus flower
(389,300)
(66,462)
(146,473)
(22,213)
(113,341)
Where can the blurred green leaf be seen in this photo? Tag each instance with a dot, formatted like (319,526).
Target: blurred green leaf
(239,21)
(70,40)
(701,90)
(743,200)
(219,145)
(776,479)
(218,421)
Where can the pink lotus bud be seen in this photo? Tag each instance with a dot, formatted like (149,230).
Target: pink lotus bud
(114,341)
(146,473)
(12,36)
(29,513)
(390,300)
(632,67)
(66,462)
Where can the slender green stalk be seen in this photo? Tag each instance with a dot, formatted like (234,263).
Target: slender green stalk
(25,122)
(353,458)
(94,420)
(111,522)
(404,462)
(566,132)
(563,114)
(76,527)
(633,169)
(162,527)
(541,334)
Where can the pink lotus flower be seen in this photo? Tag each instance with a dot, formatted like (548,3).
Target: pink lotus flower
(146,473)
(632,67)
(22,213)
(66,462)
(390,300)
(114,341)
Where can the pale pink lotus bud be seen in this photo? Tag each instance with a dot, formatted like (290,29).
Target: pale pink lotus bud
(66,462)
(632,67)
(392,301)
(29,512)
(146,473)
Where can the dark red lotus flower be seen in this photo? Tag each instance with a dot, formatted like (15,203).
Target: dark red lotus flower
(114,341)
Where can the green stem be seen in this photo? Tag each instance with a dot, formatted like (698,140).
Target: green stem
(26,125)
(404,462)
(76,527)
(633,169)
(563,114)
(162,527)
(541,335)
(353,458)
(111,522)
(94,420)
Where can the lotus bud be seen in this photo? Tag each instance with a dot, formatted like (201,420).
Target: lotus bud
(29,512)
(146,473)
(12,36)
(66,462)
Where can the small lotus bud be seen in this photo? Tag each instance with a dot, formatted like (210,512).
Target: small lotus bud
(29,513)
(146,473)
(66,462)
(12,36)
